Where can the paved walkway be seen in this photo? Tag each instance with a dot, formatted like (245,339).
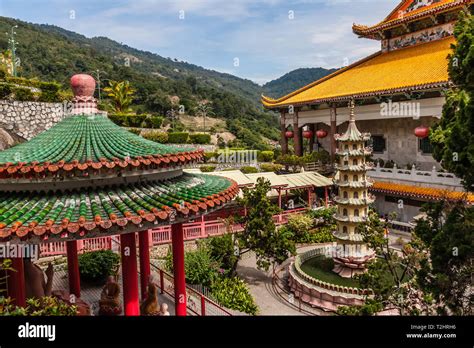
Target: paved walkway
(270,299)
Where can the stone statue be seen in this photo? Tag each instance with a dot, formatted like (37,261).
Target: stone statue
(109,303)
(150,305)
(35,284)
(164,309)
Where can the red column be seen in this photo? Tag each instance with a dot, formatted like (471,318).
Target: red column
(128,250)
(298,135)
(144,246)
(333,112)
(326,196)
(16,282)
(311,140)
(309,196)
(73,268)
(178,268)
(279,204)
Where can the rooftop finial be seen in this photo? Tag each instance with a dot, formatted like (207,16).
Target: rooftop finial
(83,86)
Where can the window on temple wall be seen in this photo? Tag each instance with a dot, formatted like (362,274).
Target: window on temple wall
(425,146)
(365,211)
(356,178)
(346,178)
(365,194)
(344,212)
(345,194)
(356,195)
(346,147)
(346,163)
(356,213)
(354,147)
(378,143)
(344,229)
(355,162)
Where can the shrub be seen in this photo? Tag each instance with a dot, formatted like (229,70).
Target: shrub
(23,94)
(208,156)
(207,169)
(199,138)
(46,306)
(222,250)
(299,224)
(266,167)
(159,137)
(49,92)
(3,74)
(265,156)
(5,91)
(233,293)
(152,122)
(248,170)
(178,138)
(134,120)
(199,266)
(135,131)
(96,266)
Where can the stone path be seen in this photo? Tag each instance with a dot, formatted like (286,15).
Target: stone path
(268,297)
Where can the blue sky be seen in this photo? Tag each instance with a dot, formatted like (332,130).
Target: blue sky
(268,37)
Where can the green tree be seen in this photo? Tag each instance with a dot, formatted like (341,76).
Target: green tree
(204,109)
(260,235)
(121,94)
(453,136)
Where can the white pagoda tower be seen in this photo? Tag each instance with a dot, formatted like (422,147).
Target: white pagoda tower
(353,200)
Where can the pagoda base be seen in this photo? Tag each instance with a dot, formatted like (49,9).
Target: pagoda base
(349,267)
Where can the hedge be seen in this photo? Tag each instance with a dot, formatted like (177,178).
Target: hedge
(266,167)
(141,121)
(249,170)
(159,137)
(265,156)
(199,138)
(207,169)
(23,94)
(135,131)
(5,91)
(178,138)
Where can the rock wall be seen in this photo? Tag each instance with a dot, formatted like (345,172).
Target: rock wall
(27,119)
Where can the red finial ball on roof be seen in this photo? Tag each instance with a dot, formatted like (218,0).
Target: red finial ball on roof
(83,85)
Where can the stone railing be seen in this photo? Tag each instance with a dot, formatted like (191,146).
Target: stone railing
(412,176)
(300,259)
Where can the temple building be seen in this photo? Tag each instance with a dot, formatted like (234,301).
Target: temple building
(353,200)
(399,94)
(87,177)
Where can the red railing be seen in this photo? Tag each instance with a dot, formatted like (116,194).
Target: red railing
(197,303)
(161,235)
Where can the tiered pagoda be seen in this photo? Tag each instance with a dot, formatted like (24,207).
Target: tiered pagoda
(352,254)
(87,177)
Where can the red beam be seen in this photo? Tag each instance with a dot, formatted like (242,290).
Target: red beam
(73,268)
(16,282)
(144,246)
(128,251)
(177,237)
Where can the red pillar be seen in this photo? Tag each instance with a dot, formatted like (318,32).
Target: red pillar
(279,204)
(73,268)
(144,246)
(311,140)
(326,196)
(178,268)
(16,282)
(298,135)
(128,250)
(310,189)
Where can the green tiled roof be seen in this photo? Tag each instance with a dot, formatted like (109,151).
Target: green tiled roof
(88,139)
(69,212)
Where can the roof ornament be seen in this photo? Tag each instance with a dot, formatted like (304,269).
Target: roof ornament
(83,87)
(352,110)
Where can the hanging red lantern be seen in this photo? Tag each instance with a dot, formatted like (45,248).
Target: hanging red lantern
(307,134)
(321,134)
(289,134)
(422,132)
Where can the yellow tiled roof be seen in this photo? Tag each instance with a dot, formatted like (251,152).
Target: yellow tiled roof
(413,68)
(423,192)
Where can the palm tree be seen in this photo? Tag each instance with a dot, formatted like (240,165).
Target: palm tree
(121,94)
(204,109)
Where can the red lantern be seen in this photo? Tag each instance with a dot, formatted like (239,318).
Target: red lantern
(422,132)
(308,134)
(289,134)
(321,134)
